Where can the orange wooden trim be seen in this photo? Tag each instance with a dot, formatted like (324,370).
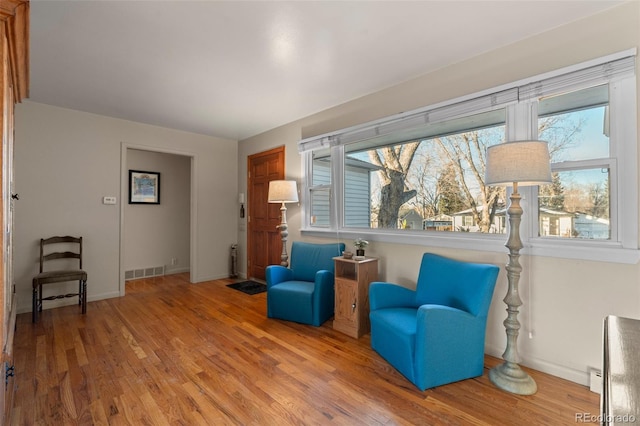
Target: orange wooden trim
(8,8)
(16,14)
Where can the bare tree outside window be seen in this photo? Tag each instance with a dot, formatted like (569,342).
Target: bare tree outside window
(441,179)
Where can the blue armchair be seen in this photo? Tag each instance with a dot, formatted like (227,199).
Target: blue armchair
(304,293)
(435,334)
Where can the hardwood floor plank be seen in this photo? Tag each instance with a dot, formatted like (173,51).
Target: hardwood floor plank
(175,353)
(66,395)
(98,416)
(208,412)
(78,347)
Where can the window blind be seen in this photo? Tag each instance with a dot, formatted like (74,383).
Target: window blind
(314,143)
(408,125)
(597,74)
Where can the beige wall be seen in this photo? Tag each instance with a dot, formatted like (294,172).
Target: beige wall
(66,161)
(156,234)
(564,300)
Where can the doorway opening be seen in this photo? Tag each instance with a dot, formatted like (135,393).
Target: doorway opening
(157,238)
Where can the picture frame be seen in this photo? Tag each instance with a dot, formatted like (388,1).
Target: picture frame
(144,187)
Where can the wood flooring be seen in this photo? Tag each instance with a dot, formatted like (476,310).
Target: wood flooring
(175,353)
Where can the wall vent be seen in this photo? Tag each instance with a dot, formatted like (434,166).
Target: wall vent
(595,380)
(135,274)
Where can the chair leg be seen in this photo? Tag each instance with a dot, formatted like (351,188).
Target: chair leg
(34,302)
(84,296)
(40,299)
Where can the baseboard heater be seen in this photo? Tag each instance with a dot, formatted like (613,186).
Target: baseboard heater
(135,274)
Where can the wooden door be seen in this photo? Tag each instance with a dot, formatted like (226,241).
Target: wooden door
(264,244)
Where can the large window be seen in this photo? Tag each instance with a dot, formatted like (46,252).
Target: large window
(435,182)
(421,174)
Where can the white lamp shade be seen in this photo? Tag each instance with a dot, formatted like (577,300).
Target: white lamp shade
(283,191)
(524,162)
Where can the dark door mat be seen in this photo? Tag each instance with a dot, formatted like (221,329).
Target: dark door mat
(249,287)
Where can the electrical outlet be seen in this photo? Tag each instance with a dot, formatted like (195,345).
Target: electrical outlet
(174,261)
(108,200)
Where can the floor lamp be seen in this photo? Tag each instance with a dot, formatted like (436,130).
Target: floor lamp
(283,191)
(509,164)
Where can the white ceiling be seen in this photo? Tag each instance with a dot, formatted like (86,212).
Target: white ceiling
(234,69)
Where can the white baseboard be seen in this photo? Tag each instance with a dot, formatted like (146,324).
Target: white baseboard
(210,278)
(567,373)
(171,271)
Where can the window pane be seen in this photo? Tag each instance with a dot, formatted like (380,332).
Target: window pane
(319,190)
(576,124)
(320,205)
(576,205)
(321,168)
(434,183)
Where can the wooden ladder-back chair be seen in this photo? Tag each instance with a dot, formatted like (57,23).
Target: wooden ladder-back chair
(59,275)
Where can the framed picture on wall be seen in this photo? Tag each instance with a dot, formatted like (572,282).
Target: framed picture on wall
(144,187)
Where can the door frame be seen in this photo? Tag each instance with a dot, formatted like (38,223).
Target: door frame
(124,188)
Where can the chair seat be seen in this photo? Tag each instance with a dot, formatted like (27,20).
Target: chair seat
(293,301)
(398,320)
(395,337)
(59,276)
(300,289)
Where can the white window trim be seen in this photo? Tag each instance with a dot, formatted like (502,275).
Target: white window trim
(623,127)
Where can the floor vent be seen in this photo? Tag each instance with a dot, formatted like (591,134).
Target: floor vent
(135,274)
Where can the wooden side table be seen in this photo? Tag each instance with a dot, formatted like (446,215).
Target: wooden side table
(352,279)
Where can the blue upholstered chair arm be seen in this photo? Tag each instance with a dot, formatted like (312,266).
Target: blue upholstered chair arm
(323,303)
(449,342)
(324,279)
(276,274)
(387,295)
(441,324)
